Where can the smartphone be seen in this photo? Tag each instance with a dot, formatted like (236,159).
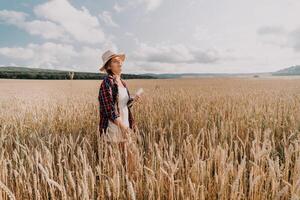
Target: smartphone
(139,92)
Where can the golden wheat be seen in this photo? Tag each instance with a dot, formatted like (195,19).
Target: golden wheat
(208,138)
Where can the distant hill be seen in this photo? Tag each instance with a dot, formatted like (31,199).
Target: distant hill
(10,72)
(40,73)
(290,71)
(27,69)
(192,75)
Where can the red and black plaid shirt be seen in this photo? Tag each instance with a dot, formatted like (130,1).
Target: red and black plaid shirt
(108,103)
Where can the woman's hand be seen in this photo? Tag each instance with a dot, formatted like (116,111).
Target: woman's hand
(137,98)
(125,131)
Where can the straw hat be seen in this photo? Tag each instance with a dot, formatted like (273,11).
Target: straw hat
(108,55)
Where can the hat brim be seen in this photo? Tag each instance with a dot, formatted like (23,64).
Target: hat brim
(122,56)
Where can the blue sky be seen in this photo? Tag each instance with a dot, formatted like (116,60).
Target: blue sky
(158,36)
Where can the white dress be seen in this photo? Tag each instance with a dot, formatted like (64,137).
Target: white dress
(114,133)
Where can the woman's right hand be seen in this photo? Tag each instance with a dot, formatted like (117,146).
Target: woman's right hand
(125,131)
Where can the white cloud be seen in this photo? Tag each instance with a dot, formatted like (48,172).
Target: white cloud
(76,33)
(130,34)
(204,35)
(118,8)
(17,52)
(280,36)
(106,17)
(45,29)
(59,20)
(294,39)
(47,54)
(79,23)
(54,55)
(185,40)
(174,53)
(12,17)
(150,5)
(277,30)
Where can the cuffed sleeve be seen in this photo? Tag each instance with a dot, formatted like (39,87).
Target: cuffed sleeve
(130,102)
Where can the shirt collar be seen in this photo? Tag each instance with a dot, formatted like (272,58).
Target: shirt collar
(111,76)
(114,79)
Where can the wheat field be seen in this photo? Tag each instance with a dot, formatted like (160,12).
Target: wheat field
(206,138)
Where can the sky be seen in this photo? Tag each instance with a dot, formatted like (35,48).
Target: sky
(157,36)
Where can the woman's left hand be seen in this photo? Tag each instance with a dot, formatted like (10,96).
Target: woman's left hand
(137,98)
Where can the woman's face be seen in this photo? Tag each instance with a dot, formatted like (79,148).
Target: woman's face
(116,65)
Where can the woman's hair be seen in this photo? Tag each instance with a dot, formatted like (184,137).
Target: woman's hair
(106,67)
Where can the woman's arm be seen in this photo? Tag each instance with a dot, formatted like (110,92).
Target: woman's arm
(106,99)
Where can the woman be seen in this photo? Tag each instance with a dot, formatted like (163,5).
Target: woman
(116,119)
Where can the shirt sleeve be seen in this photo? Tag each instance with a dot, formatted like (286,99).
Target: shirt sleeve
(130,102)
(106,101)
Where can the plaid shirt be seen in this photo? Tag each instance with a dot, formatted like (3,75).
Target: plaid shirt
(108,103)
